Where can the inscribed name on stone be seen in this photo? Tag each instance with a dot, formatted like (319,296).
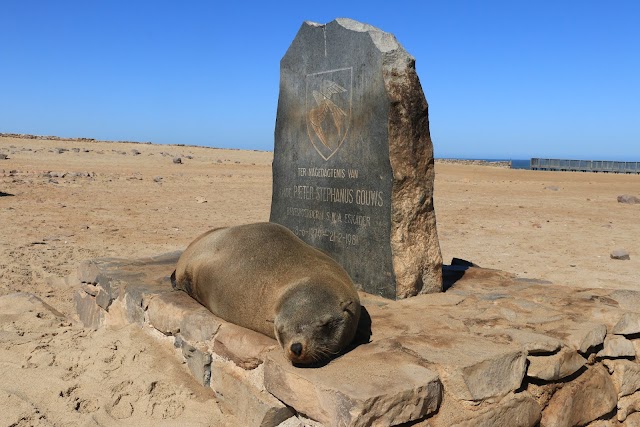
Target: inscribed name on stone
(353,160)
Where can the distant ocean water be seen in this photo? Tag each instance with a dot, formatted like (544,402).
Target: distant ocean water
(515,164)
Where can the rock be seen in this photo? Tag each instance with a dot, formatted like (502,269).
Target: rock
(200,325)
(625,198)
(617,346)
(200,199)
(177,160)
(633,420)
(518,410)
(238,395)
(478,371)
(103,298)
(135,152)
(522,411)
(620,254)
(88,272)
(581,401)
(584,336)
(552,188)
(89,313)
(628,405)
(244,347)
(299,421)
(374,385)
(90,289)
(3,156)
(132,305)
(167,311)
(533,343)
(157,179)
(629,324)
(627,299)
(625,375)
(199,362)
(351,99)
(556,366)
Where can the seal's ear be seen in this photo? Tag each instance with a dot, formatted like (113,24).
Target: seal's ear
(348,306)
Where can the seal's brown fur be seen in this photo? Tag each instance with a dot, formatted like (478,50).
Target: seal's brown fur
(261,276)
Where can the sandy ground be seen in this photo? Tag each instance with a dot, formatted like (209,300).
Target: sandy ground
(100,199)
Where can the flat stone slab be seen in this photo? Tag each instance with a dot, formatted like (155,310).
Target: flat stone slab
(374,383)
(470,348)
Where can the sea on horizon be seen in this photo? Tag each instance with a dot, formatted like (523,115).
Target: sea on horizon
(515,164)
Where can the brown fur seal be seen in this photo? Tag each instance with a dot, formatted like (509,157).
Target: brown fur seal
(261,276)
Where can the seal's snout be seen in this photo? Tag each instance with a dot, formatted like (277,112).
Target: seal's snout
(296,348)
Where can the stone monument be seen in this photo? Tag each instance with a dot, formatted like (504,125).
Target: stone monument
(353,162)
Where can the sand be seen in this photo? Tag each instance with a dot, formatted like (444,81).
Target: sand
(100,199)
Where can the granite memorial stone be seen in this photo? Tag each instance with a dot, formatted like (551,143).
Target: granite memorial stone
(353,160)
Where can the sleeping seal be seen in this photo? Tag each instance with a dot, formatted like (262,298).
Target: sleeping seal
(262,277)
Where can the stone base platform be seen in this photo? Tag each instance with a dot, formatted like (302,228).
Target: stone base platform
(493,350)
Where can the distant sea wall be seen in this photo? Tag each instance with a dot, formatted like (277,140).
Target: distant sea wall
(501,164)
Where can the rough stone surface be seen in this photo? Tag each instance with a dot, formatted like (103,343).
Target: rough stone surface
(522,411)
(589,397)
(632,420)
(353,160)
(244,347)
(625,375)
(90,314)
(88,272)
(103,298)
(236,394)
(628,405)
(586,336)
(477,371)
(518,410)
(617,346)
(167,311)
(534,343)
(626,198)
(621,254)
(199,325)
(393,389)
(627,299)
(199,362)
(454,358)
(629,324)
(556,366)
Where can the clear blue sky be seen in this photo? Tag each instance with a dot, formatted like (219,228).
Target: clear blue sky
(504,79)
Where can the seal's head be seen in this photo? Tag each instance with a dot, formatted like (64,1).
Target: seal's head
(313,323)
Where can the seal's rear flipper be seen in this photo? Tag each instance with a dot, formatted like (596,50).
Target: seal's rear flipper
(173,280)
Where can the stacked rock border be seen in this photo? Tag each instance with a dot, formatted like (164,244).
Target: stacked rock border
(494,350)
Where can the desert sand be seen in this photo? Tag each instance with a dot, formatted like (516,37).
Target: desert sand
(62,202)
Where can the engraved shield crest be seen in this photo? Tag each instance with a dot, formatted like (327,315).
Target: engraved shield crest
(328,109)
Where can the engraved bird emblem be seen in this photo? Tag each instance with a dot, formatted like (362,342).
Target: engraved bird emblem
(326,105)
